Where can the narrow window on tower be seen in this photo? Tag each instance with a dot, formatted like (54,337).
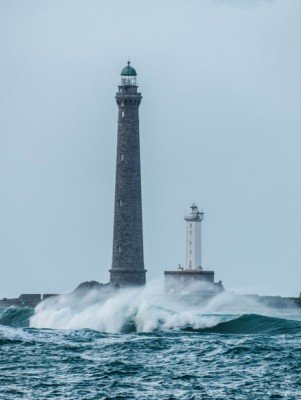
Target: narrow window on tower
(122,114)
(120,203)
(119,249)
(121,156)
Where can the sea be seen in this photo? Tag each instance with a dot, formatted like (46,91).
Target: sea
(143,344)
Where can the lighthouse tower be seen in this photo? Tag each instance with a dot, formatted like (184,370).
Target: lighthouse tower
(193,273)
(193,238)
(128,264)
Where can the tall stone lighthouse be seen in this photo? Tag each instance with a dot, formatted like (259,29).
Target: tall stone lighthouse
(128,264)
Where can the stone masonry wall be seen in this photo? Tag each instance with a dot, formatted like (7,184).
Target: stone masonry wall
(128,264)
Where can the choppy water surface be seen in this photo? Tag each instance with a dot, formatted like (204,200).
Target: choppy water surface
(182,354)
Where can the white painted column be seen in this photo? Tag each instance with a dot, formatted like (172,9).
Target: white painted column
(193,238)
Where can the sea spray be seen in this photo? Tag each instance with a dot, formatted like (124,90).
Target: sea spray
(146,309)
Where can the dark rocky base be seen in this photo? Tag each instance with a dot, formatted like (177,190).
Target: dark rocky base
(90,285)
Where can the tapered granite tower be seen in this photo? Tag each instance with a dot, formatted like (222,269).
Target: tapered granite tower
(128,265)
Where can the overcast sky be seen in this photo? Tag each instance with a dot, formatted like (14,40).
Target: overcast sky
(220,126)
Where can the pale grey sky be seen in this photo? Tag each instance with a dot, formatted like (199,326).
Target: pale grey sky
(220,126)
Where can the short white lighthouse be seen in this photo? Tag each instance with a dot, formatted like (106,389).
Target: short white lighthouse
(193,273)
(193,238)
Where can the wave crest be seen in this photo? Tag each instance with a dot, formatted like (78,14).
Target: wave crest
(17,317)
(149,309)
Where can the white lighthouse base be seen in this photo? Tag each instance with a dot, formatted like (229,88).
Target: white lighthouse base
(186,281)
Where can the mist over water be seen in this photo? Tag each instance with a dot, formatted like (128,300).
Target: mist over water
(148,309)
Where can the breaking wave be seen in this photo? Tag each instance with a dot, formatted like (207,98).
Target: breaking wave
(150,309)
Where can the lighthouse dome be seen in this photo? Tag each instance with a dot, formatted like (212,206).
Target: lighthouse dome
(128,70)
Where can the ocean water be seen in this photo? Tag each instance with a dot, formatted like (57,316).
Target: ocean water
(142,344)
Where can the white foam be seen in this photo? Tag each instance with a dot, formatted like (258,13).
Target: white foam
(149,308)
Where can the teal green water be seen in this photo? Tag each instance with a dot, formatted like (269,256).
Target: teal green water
(242,357)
